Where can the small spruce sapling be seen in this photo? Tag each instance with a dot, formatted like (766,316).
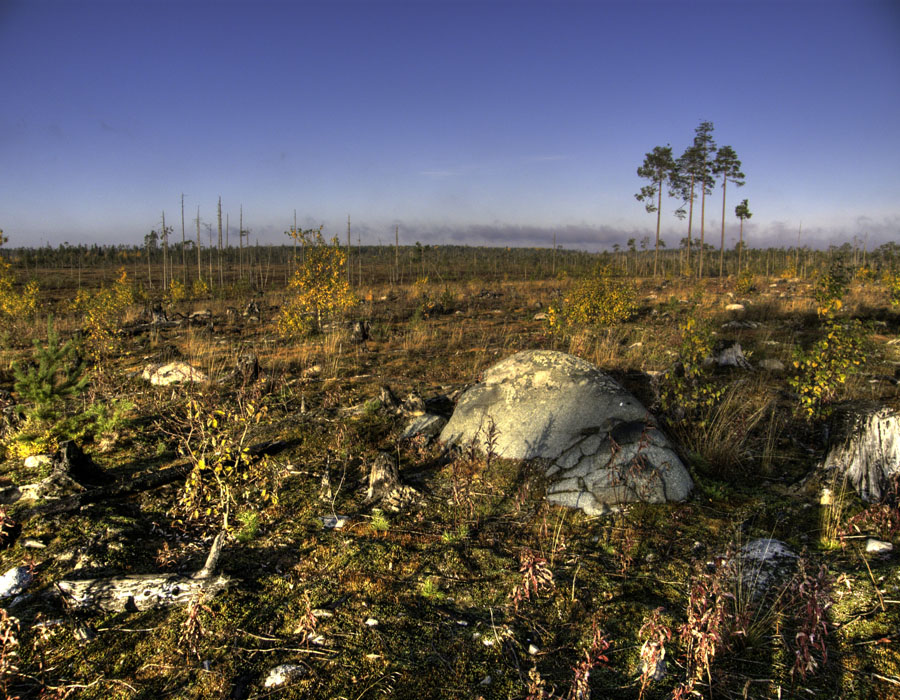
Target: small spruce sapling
(57,372)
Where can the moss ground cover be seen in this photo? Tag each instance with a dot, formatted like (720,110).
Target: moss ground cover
(423,603)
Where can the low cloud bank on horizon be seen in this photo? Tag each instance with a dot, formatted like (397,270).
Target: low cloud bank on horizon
(589,237)
(777,234)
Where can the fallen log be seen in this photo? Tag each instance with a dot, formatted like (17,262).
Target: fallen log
(146,482)
(103,493)
(146,591)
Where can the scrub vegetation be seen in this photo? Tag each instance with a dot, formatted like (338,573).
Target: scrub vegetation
(474,587)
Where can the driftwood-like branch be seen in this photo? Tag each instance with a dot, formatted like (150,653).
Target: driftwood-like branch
(133,593)
(144,592)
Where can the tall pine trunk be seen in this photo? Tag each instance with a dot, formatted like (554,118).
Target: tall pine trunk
(702,226)
(658,216)
(690,226)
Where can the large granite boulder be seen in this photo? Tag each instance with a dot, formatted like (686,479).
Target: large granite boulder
(600,445)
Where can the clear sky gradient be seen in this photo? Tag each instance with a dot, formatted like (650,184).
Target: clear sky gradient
(490,122)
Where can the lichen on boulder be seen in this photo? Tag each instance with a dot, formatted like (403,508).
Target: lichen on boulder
(601,447)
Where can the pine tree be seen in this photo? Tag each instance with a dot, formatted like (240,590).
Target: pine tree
(659,168)
(701,155)
(728,167)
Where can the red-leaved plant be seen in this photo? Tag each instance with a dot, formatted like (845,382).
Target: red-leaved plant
(536,576)
(594,656)
(811,593)
(655,633)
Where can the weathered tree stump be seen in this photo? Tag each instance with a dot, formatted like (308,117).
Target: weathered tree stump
(866,449)
(384,477)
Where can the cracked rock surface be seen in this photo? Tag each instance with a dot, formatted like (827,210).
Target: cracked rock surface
(601,445)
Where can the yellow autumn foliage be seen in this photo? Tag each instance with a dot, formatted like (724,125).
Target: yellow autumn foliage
(15,305)
(103,311)
(598,301)
(319,289)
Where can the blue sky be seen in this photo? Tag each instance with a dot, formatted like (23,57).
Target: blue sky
(493,122)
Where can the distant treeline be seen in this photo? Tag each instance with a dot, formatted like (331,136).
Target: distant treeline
(269,266)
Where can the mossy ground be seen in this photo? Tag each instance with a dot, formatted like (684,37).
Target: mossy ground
(438,577)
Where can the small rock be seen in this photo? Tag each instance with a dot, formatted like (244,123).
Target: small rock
(334,522)
(173,373)
(874,546)
(735,307)
(427,424)
(763,562)
(34,461)
(371,622)
(770,364)
(32,543)
(533,650)
(14,581)
(283,674)
(487,680)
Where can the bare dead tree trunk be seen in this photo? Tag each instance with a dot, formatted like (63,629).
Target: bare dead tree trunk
(722,243)
(220,244)
(702,226)
(183,246)
(199,269)
(165,248)
(690,225)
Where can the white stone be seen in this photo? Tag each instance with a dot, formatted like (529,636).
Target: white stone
(173,373)
(334,522)
(34,461)
(734,307)
(874,546)
(371,622)
(14,581)
(283,674)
